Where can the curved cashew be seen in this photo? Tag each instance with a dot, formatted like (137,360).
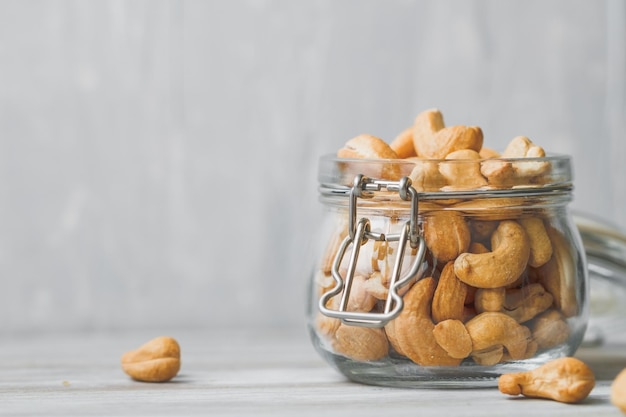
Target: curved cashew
(470,295)
(489,299)
(402,145)
(531,350)
(361,343)
(540,246)
(499,173)
(360,299)
(550,329)
(434,141)
(453,138)
(326,326)
(502,173)
(453,337)
(413,328)
(525,303)
(425,176)
(566,380)
(558,275)
(390,331)
(446,234)
(521,304)
(371,147)
(489,330)
(522,147)
(449,298)
(462,170)
(426,124)
(502,266)
(366,146)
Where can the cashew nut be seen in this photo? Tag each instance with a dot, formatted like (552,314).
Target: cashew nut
(453,337)
(531,350)
(525,303)
(488,153)
(446,234)
(158,360)
(361,343)
(476,247)
(558,276)
(371,147)
(502,173)
(567,380)
(462,170)
(434,141)
(489,356)
(540,246)
(425,176)
(390,331)
(499,173)
(521,304)
(402,145)
(324,282)
(449,298)
(489,299)
(378,286)
(489,330)
(413,328)
(618,391)
(366,146)
(500,267)
(550,329)
(522,147)
(360,299)
(453,138)
(426,124)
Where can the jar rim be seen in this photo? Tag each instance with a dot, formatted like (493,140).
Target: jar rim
(528,176)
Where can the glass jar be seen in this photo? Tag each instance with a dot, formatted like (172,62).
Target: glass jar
(428,276)
(605,248)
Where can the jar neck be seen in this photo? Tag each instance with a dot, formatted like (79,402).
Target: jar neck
(474,201)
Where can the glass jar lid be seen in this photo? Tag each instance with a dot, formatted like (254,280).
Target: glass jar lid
(436,178)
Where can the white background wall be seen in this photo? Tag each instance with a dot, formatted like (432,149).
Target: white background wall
(158,158)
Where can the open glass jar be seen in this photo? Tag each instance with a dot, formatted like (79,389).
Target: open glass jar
(423,281)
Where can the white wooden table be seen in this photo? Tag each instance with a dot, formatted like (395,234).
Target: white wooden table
(254,372)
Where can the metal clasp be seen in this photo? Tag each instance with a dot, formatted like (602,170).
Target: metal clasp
(359,233)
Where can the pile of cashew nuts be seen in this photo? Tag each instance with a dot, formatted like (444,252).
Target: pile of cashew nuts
(501,280)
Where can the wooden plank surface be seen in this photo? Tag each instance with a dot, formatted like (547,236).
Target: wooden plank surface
(246,372)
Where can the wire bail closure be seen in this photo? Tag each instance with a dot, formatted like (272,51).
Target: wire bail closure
(359,234)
